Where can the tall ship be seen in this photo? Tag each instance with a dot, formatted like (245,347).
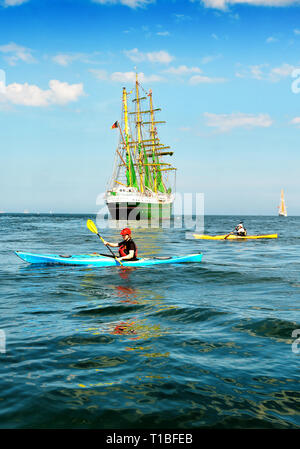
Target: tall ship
(282,208)
(142,185)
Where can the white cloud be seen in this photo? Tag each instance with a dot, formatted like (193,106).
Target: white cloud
(264,72)
(100,74)
(223,4)
(17,53)
(182,70)
(195,79)
(181,17)
(125,77)
(277,73)
(297,32)
(14,2)
(163,33)
(198,79)
(130,77)
(296,121)
(257,72)
(130,3)
(271,40)
(217,4)
(162,57)
(65,59)
(210,58)
(226,122)
(135,55)
(63,93)
(31,95)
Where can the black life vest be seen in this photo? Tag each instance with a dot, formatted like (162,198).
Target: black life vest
(124,248)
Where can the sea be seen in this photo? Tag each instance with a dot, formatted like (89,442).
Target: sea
(210,345)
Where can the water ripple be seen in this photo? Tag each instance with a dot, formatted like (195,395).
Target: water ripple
(197,345)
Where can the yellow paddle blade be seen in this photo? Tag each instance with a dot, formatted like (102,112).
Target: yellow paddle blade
(92,227)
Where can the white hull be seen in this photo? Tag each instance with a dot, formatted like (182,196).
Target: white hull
(127,203)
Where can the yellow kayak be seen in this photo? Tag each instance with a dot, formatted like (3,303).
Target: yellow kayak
(234,237)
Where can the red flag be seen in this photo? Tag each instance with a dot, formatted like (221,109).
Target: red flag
(115,125)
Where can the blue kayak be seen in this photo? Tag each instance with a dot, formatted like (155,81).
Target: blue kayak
(100,260)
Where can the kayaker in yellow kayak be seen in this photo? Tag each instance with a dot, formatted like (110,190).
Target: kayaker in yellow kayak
(127,248)
(239,230)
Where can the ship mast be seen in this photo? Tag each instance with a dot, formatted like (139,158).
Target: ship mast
(140,157)
(138,124)
(128,157)
(152,133)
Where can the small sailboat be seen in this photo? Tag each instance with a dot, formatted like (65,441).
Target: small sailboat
(282,209)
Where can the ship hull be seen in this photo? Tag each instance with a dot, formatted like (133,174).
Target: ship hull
(139,211)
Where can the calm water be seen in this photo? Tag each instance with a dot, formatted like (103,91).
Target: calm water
(182,346)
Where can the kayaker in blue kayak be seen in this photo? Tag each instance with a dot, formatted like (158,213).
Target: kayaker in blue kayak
(127,248)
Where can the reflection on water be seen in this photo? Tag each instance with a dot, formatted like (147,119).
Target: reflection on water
(116,294)
(124,328)
(128,293)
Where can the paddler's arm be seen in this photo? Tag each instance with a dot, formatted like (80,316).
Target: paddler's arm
(129,256)
(114,245)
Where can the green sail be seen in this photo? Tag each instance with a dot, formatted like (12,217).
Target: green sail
(130,168)
(160,185)
(133,175)
(148,177)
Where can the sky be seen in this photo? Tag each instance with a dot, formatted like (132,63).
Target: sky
(224,73)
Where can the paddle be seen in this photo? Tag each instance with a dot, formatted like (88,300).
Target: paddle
(93,228)
(228,235)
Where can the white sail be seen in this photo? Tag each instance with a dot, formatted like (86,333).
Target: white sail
(282,208)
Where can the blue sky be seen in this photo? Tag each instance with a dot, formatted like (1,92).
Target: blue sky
(220,70)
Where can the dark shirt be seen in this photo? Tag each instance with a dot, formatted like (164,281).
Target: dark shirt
(128,245)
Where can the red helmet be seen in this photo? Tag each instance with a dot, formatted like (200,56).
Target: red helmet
(125,231)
